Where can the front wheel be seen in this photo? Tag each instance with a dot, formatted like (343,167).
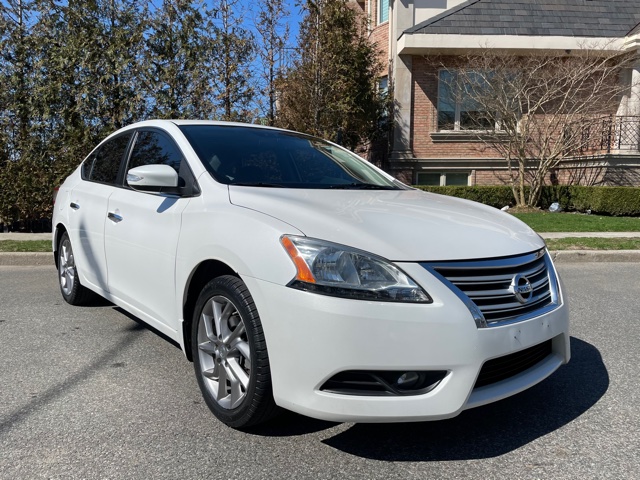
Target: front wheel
(230,354)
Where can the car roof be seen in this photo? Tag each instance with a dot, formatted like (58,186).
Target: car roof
(180,122)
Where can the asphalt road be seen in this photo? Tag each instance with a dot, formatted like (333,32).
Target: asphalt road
(92,393)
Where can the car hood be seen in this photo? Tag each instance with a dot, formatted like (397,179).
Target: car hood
(400,225)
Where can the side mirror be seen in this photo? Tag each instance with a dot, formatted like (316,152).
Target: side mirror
(152,177)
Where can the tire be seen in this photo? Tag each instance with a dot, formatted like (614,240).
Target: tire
(230,354)
(72,290)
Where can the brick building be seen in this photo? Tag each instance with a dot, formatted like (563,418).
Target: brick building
(412,32)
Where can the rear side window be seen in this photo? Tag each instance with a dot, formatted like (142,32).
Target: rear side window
(106,161)
(153,148)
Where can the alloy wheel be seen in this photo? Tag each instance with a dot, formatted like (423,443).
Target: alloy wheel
(224,352)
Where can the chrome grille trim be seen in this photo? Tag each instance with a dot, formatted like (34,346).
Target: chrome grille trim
(485,286)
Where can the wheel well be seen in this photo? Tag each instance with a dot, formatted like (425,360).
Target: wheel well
(60,230)
(205,272)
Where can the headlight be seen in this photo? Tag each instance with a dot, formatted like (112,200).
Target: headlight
(331,269)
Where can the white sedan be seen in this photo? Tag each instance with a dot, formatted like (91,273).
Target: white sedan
(294,274)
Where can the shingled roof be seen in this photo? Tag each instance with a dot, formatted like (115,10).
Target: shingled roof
(567,18)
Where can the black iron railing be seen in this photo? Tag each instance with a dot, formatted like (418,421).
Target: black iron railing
(612,134)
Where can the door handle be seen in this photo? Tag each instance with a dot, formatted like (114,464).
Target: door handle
(114,217)
(74,205)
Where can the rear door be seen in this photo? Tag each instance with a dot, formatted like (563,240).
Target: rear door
(141,235)
(88,209)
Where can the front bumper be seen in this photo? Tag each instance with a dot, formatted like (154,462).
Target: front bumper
(312,337)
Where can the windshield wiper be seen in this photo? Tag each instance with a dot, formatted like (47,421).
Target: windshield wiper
(362,186)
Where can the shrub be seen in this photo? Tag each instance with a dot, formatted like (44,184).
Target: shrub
(615,201)
(495,196)
(556,193)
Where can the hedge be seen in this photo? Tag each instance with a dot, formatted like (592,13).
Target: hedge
(615,201)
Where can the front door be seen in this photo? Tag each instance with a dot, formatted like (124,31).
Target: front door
(141,238)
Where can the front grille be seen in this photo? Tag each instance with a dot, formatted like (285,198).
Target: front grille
(505,367)
(489,284)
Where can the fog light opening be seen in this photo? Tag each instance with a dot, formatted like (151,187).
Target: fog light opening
(398,382)
(407,380)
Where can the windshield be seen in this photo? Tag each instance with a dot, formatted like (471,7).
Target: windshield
(237,155)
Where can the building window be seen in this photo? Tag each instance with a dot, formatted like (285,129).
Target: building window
(383,85)
(456,110)
(383,11)
(443,178)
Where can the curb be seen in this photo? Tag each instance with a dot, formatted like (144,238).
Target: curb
(26,259)
(595,256)
(36,259)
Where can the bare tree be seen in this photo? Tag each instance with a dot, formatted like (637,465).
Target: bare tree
(537,110)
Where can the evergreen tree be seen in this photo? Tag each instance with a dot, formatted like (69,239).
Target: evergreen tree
(331,89)
(73,71)
(23,171)
(76,83)
(175,77)
(121,41)
(16,75)
(233,49)
(273,33)
(68,88)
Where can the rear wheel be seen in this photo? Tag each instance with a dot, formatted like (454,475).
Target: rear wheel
(72,291)
(230,354)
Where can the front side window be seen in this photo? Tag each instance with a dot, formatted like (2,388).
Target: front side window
(383,11)
(259,157)
(103,165)
(457,108)
(153,148)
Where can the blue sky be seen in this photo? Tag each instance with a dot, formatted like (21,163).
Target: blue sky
(294,15)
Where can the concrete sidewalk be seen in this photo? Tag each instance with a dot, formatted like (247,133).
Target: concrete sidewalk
(563,256)
(24,236)
(555,235)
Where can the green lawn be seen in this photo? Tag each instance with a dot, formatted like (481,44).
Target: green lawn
(553,244)
(541,222)
(25,246)
(575,222)
(593,243)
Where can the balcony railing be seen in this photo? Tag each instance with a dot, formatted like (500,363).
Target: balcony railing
(612,134)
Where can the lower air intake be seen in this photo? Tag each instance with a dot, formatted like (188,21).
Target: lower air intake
(508,366)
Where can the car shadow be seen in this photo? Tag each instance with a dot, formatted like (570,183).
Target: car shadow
(141,324)
(96,301)
(482,432)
